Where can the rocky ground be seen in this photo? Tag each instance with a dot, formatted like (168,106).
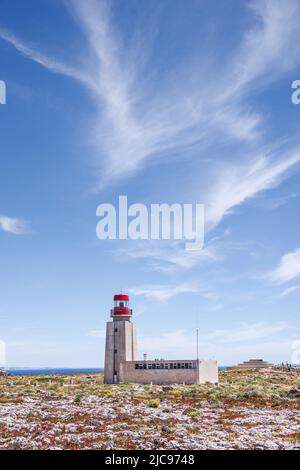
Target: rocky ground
(248,410)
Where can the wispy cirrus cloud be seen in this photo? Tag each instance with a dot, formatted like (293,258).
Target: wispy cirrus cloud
(12,225)
(137,125)
(49,63)
(289,291)
(276,202)
(166,292)
(234,184)
(170,256)
(267,51)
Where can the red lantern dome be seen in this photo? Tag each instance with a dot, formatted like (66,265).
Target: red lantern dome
(121,306)
(121,297)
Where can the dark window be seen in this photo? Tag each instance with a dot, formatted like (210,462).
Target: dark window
(116,329)
(116,351)
(136,366)
(115,373)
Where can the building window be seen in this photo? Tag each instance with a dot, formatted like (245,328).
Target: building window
(116,329)
(116,351)
(163,365)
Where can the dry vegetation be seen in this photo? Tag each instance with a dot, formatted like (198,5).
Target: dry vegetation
(248,410)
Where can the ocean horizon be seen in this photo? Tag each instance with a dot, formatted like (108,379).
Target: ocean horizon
(52,370)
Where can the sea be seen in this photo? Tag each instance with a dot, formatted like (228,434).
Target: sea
(54,371)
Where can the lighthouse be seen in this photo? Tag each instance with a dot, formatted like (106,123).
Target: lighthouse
(123,366)
(121,344)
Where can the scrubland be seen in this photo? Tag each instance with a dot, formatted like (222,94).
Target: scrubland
(249,409)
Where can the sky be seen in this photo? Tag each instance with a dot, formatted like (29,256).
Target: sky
(164,102)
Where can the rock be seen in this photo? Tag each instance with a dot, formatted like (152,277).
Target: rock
(294,392)
(166,430)
(94,422)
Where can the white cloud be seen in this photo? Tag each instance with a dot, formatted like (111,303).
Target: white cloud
(288,268)
(235,184)
(13,225)
(51,64)
(168,256)
(166,292)
(289,291)
(276,202)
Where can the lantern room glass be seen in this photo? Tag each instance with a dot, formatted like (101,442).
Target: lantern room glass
(121,303)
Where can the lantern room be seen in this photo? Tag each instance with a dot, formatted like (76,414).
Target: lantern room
(121,308)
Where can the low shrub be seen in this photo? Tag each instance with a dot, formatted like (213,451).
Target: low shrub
(78,398)
(153,403)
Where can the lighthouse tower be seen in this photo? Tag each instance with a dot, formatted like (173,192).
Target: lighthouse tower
(121,345)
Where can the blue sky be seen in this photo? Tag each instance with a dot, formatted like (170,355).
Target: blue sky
(162,101)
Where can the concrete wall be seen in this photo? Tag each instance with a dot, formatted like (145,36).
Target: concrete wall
(205,371)
(123,341)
